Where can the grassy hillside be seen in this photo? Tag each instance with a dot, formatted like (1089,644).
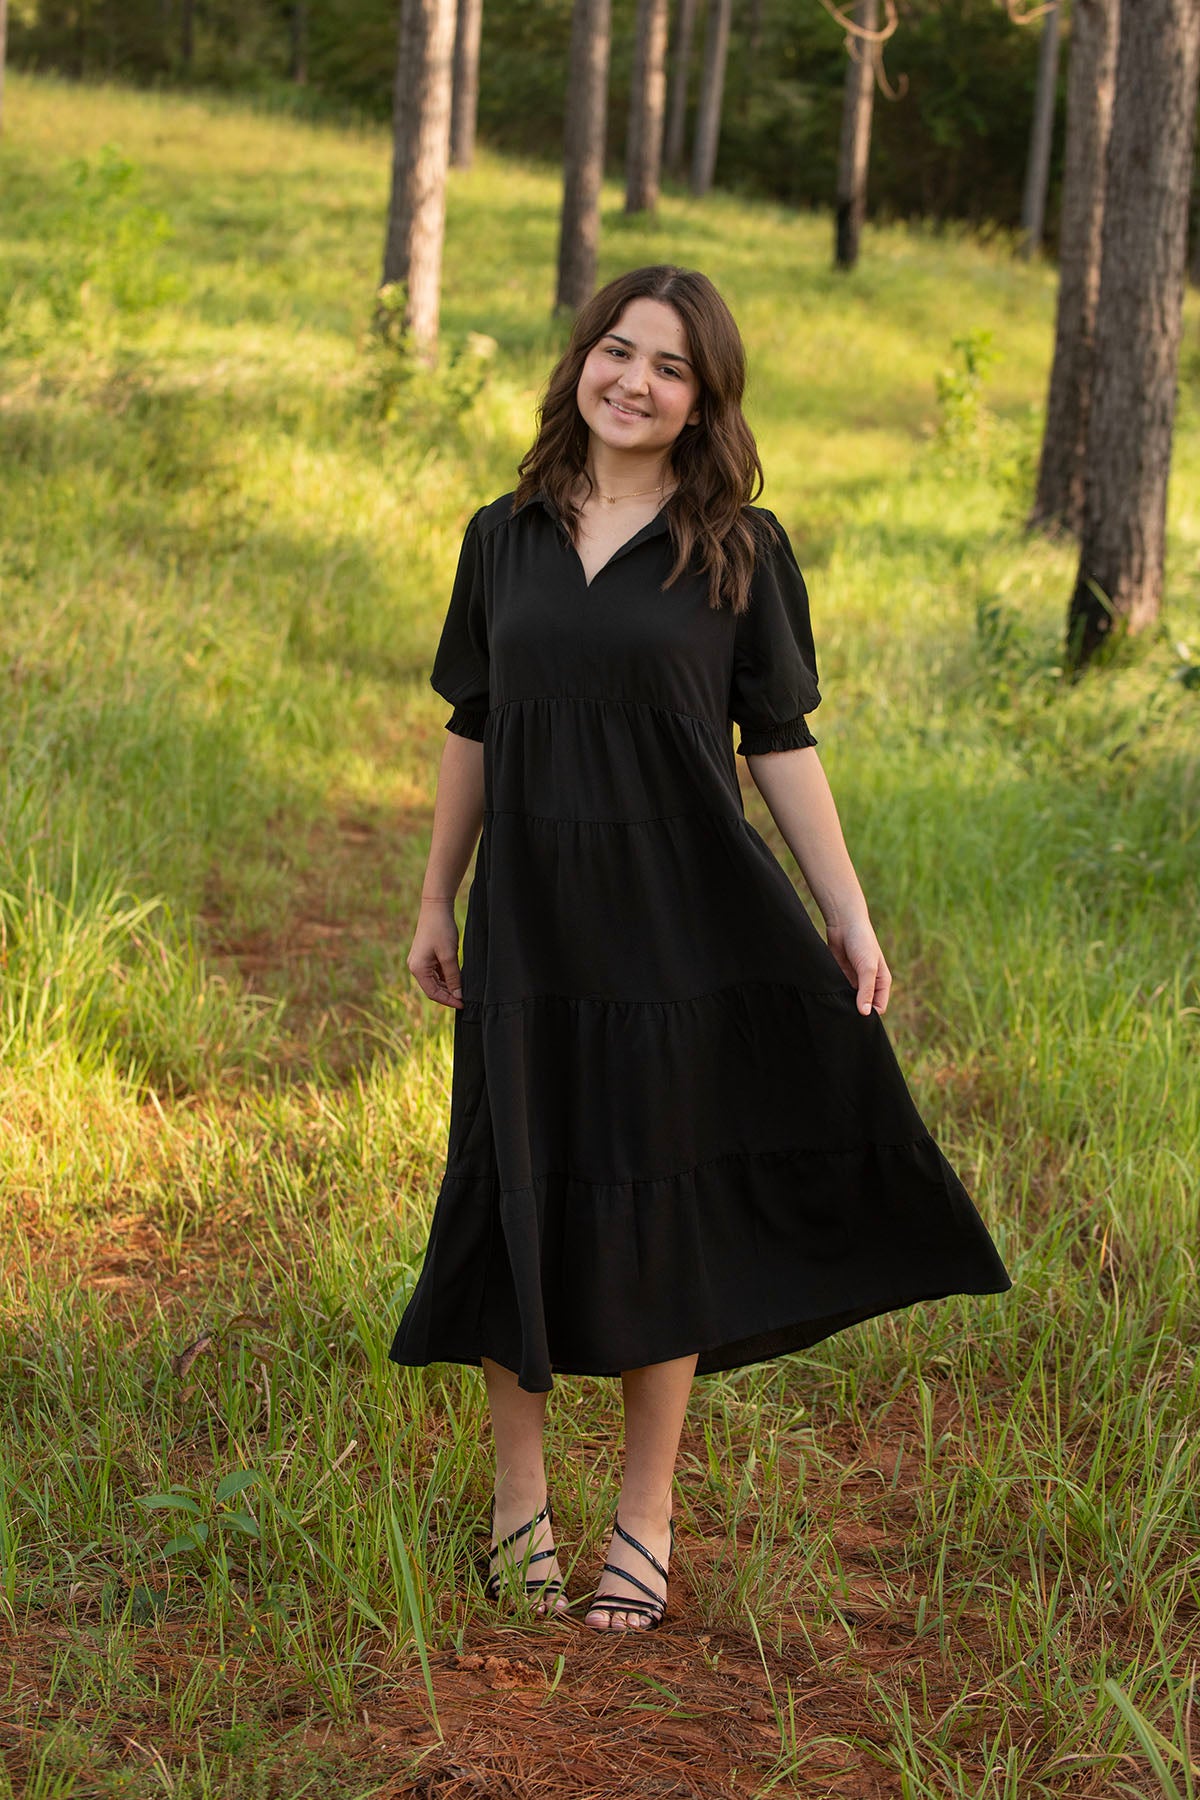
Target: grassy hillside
(968,1544)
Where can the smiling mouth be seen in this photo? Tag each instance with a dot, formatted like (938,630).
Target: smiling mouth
(626,411)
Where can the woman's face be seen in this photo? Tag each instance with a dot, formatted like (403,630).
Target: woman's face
(637,389)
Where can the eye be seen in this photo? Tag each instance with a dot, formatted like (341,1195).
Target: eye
(615,350)
(669,369)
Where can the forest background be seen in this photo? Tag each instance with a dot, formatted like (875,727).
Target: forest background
(953,144)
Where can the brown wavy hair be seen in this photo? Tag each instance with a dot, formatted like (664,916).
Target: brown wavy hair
(715,462)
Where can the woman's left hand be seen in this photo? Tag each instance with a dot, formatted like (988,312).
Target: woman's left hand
(856,950)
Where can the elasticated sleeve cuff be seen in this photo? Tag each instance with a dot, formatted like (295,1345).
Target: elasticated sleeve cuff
(465,722)
(795,735)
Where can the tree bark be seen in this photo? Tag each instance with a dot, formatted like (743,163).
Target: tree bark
(858,98)
(583,152)
(466,83)
(3,54)
(647,96)
(399,219)
(421,153)
(1139,321)
(187,33)
(681,68)
(1041,137)
(1091,75)
(712,95)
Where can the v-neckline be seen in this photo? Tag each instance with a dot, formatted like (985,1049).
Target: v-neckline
(618,552)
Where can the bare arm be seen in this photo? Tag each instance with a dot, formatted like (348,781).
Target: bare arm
(795,787)
(457,820)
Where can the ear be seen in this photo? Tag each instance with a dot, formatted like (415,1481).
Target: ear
(693,417)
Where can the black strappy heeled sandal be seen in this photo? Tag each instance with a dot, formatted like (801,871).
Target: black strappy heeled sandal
(495,1584)
(652,1609)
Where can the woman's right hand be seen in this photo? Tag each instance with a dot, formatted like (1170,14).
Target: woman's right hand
(433,959)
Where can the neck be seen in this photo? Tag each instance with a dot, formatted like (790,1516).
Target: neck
(623,472)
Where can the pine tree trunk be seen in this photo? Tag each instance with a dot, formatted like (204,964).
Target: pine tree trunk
(187,34)
(466,83)
(647,95)
(1139,320)
(421,153)
(681,68)
(712,95)
(1041,137)
(430,95)
(399,220)
(3,54)
(1091,75)
(583,152)
(854,154)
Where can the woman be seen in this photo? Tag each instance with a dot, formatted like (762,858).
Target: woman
(679,1138)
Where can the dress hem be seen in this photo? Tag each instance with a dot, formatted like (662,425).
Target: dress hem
(727,1355)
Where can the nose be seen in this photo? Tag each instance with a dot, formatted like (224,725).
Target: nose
(633,377)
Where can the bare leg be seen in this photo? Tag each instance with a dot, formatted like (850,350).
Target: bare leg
(656,1400)
(518,1421)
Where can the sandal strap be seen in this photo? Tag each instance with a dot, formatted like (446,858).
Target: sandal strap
(649,1555)
(503,1577)
(653,1607)
(612,1569)
(523,1529)
(493,1587)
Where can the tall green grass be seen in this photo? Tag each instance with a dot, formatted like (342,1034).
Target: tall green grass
(229,528)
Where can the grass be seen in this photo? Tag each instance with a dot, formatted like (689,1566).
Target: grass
(953,1552)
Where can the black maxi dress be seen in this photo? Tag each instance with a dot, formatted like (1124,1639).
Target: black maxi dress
(671,1129)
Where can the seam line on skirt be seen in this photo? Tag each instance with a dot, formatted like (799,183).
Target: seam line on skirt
(734,987)
(530,1187)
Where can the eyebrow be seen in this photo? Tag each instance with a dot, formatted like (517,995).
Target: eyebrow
(659,355)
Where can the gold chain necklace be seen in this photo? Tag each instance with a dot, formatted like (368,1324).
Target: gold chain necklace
(637,494)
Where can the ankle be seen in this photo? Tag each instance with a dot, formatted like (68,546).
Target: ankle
(639,1515)
(519,1493)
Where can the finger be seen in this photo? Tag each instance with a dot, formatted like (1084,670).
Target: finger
(866,978)
(430,974)
(435,988)
(843,962)
(451,978)
(446,974)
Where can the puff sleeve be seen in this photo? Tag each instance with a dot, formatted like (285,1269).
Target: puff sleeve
(774,681)
(460,663)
